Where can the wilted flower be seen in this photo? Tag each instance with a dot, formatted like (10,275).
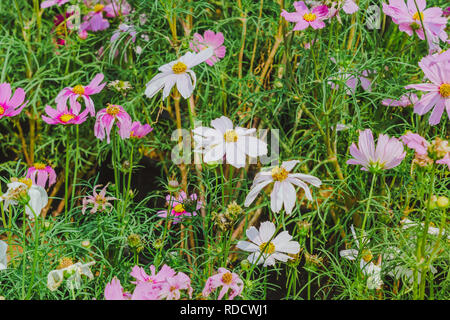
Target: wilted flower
(23,191)
(11,106)
(178,72)
(3,258)
(416,142)
(225,140)
(181,206)
(303,17)
(71,272)
(265,247)
(368,268)
(106,119)
(99,200)
(80,91)
(388,154)
(283,192)
(43,173)
(226,280)
(209,40)
(120,86)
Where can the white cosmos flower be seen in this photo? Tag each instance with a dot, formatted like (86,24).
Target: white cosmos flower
(72,273)
(283,192)
(17,189)
(225,140)
(368,268)
(178,72)
(3,259)
(265,247)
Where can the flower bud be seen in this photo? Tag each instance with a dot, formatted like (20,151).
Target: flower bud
(245,264)
(442,202)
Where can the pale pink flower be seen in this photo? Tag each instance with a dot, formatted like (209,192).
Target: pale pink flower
(305,17)
(106,119)
(114,291)
(404,101)
(11,106)
(171,288)
(388,154)
(141,276)
(416,142)
(283,192)
(39,174)
(445,160)
(226,280)
(409,19)
(98,200)
(209,40)
(117,8)
(62,115)
(139,130)
(348,6)
(50,3)
(181,206)
(80,91)
(122,29)
(438,96)
(265,247)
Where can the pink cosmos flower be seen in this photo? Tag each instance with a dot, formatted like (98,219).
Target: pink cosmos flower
(209,40)
(114,291)
(141,276)
(351,81)
(227,281)
(409,19)
(446,12)
(181,206)
(170,289)
(106,119)
(50,3)
(99,200)
(305,17)
(117,8)
(438,96)
(124,28)
(348,6)
(445,160)
(43,173)
(388,154)
(94,21)
(416,142)
(405,100)
(80,91)
(11,106)
(139,130)
(62,115)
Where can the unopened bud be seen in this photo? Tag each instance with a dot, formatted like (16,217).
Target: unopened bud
(442,202)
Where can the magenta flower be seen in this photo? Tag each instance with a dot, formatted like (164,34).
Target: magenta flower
(388,154)
(416,142)
(446,12)
(99,200)
(227,281)
(51,3)
(80,91)
(182,206)
(62,115)
(405,100)
(106,119)
(139,130)
(209,40)
(11,106)
(409,19)
(305,17)
(438,96)
(94,21)
(42,173)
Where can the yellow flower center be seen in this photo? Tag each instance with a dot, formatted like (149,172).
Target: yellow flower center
(267,248)
(2,110)
(179,208)
(367,255)
(98,7)
(418,16)
(78,89)
(65,263)
(309,17)
(39,166)
(230,136)
(66,117)
(279,174)
(100,199)
(179,67)
(227,278)
(112,110)
(444,90)
(26,181)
